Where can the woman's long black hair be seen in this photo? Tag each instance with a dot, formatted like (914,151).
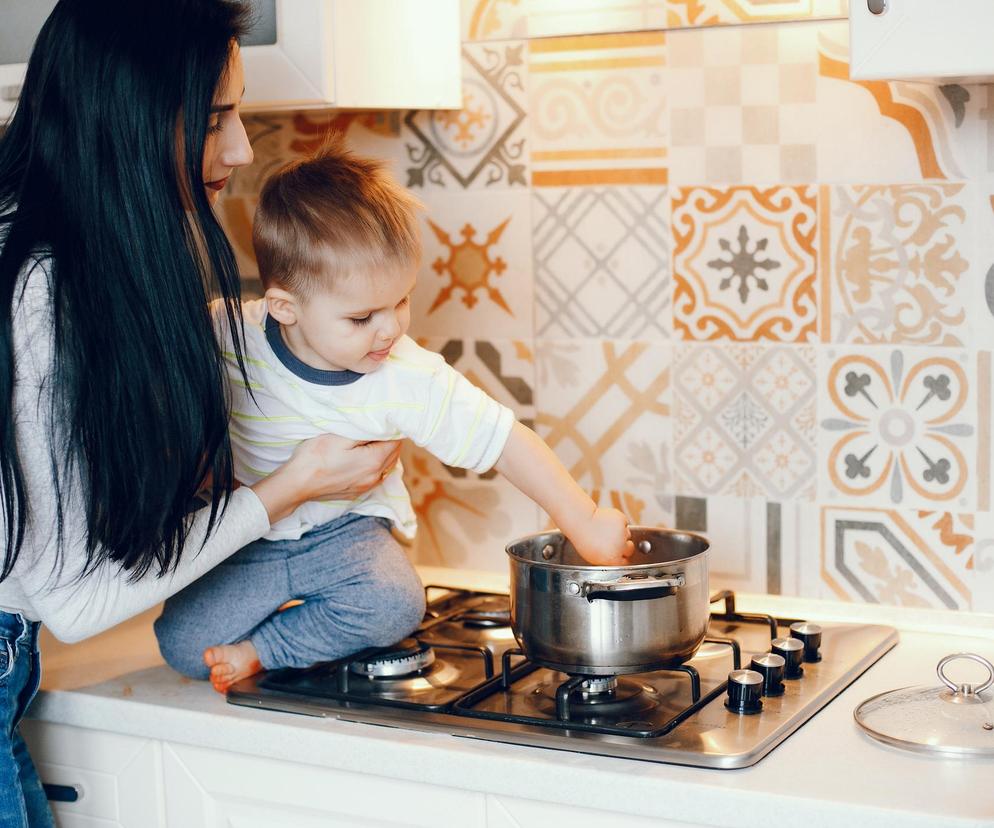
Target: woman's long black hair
(106,139)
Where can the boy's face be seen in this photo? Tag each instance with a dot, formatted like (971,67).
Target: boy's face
(353,325)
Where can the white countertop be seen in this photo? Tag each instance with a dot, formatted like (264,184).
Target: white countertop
(826,774)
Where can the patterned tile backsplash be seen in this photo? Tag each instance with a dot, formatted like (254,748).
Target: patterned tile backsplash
(735,291)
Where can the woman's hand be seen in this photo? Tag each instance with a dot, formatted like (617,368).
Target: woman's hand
(328,467)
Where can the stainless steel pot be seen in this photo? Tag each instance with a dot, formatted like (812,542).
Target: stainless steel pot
(610,620)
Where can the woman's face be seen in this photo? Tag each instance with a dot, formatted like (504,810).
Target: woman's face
(227,146)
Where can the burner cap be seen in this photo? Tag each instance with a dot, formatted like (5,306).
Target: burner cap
(595,685)
(400,659)
(484,619)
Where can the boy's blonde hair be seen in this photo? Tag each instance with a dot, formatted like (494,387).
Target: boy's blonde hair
(329,216)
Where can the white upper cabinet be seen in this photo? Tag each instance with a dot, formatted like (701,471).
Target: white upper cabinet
(936,40)
(348,54)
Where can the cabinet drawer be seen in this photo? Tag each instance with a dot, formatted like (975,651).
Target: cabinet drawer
(208,789)
(117,778)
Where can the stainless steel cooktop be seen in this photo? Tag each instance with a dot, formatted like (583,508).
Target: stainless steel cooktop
(753,682)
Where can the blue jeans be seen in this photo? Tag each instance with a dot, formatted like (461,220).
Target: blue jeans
(358,587)
(22,800)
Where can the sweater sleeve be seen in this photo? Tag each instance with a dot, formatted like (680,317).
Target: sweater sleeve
(459,423)
(75,607)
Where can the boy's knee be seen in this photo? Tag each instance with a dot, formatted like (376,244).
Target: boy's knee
(400,608)
(180,649)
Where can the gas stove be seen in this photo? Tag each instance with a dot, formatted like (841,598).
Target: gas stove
(752,683)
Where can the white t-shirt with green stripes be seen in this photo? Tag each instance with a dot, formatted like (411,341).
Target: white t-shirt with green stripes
(415,394)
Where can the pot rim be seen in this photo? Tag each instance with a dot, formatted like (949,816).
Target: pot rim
(610,569)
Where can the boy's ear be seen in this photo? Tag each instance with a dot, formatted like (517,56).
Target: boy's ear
(282,305)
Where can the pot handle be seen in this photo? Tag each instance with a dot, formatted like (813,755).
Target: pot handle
(633,588)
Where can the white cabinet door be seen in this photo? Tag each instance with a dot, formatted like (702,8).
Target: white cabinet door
(117,778)
(213,789)
(921,39)
(511,812)
(374,54)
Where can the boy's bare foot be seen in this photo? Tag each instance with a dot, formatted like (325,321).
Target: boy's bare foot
(230,663)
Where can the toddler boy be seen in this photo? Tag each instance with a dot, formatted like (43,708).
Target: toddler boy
(337,244)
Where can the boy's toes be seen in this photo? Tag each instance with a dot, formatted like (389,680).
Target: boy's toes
(212,656)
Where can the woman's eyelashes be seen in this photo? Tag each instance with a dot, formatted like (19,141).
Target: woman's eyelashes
(215,128)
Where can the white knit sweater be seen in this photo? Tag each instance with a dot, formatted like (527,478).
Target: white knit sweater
(74,608)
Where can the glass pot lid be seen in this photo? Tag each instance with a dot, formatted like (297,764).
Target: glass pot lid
(953,719)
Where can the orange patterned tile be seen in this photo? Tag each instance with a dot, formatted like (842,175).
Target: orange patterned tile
(716,12)
(899,264)
(902,558)
(604,408)
(898,427)
(744,264)
(597,110)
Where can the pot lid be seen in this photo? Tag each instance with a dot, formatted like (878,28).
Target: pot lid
(953,719)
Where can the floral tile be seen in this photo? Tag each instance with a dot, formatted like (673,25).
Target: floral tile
(898,428)
(985,425)
(982,299)
(476,268)
(493,19)
(715,12)
(983,564)
(896,270)
(604,408)
(743,104)
(744,263)
(753,543)
(465,523)
(548,18)
(278,138)
(505,369)
(597,110)
(745,420)
(897,557)
(893,130)
(483,145)
(601,260)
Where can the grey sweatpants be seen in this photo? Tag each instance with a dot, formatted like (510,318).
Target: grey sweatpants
(358,587)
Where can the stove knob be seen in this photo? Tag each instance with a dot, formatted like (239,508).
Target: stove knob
(810,636)
(770,667)
(791,650)
(745,688)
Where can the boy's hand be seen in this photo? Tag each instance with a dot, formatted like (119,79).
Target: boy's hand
(604,539)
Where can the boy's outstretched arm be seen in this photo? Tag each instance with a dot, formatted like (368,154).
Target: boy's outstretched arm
(601,536)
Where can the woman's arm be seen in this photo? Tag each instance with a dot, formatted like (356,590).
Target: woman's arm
(75,608)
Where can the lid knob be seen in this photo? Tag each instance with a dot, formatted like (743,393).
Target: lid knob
(791,650)
(745,688)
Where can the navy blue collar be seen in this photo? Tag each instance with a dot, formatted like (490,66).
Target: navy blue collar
(297,367)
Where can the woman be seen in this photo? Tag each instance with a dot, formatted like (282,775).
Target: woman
(112,400)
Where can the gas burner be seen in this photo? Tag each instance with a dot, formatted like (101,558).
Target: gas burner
(484,619)
(596,685)
(598,699)
(404,658)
